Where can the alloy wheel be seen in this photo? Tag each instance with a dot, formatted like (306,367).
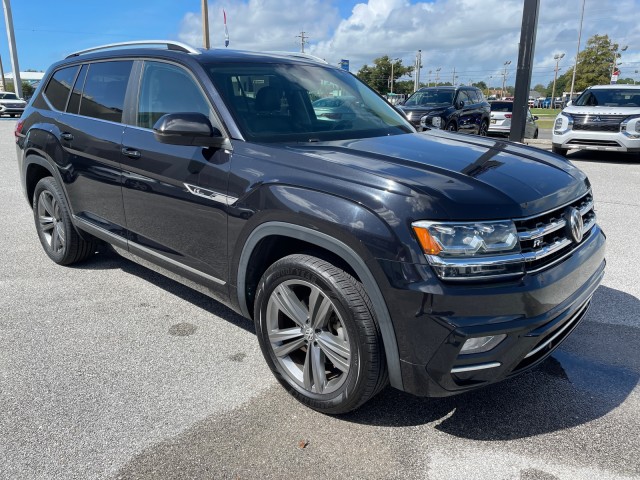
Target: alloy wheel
(50,221)
(308,337)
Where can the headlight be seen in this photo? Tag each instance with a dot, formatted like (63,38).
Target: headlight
(630,127)
(459,251)
(563,123)
(427,121)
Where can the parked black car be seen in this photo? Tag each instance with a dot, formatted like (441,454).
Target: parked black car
(366,253)
(457,109)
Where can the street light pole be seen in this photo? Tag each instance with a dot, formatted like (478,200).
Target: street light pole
(205,25)
(437,75)
(557,58)
(575,67)
(393,79)
(8,18)
(504,77)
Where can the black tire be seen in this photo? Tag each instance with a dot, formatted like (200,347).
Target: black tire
(559,151)
(57,234)
(535,134)
(332,358)
(484,129)
(451,127)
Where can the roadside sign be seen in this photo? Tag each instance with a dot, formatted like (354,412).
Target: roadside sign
(344,64)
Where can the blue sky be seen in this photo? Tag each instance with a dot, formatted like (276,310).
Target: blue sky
(475,37)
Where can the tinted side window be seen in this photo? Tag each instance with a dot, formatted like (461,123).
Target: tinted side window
(57,91)
(475,96)
(462,96)
(104,90)
(166,89)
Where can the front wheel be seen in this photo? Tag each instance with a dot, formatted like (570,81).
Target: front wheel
(57,235)
(452,127)
(317,331)
(484,128)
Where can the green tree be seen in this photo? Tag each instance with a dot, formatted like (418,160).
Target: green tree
(377,76)
(595,63)
(541,89)
(27,88)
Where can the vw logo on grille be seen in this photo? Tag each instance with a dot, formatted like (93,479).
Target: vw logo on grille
(575,224)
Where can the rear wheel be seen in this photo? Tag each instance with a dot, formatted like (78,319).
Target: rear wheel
(57,235)
(484,128)
(452,127)
(317,332)
(535,134)
(559,151)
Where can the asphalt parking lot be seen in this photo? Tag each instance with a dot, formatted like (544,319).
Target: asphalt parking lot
(108,370)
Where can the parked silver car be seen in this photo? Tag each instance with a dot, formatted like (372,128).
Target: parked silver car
(11,105)
(501,114)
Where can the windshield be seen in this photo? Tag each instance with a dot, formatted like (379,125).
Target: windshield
(430,98)
(303,103)
(9,96)
(610,97)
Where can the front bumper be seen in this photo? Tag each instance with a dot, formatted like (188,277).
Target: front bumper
(594,140)
(536,314)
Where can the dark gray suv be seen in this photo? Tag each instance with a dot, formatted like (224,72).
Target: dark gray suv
(457,109)
(365,252)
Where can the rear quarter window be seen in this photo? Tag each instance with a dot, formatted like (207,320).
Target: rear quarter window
(104,90)
(58,88)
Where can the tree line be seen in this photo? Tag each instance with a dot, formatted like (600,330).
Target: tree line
(595,65)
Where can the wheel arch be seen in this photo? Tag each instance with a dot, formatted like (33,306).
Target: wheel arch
(333,248)
(35,169)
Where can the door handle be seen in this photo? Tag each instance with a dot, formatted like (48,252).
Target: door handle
(66,136)
(131,152)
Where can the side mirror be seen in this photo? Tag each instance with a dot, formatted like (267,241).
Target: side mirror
(187,129)
(460,104)
(570,102)
(535,117)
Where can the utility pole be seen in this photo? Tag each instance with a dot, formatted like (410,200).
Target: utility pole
(8,18)
(557,58)
(437,75)
(205,25)
(303,39)
(453,79)
(504,78)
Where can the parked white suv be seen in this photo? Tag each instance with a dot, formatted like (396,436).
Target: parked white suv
(604,117)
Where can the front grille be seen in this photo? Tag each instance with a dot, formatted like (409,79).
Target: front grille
(593,142)
(597,123)
(546,239)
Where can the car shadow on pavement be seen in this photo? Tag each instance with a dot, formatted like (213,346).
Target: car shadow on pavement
(614,158)
(586,378)
(107,259)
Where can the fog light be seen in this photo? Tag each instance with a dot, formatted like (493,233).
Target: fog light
(481,344)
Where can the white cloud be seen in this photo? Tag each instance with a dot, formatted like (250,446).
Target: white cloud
(474,36)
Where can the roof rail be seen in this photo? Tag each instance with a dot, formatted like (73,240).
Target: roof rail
(304,56)
(170,44)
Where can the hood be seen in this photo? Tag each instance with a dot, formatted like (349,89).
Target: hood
(467,177)
(423,109)
(597,110)
(5,101)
